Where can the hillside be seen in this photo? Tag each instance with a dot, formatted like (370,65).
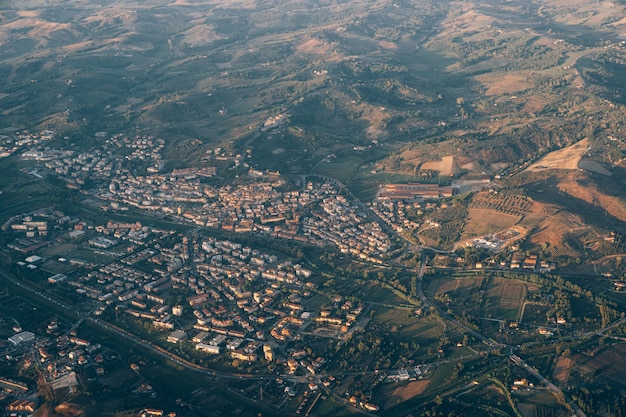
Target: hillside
(362,92)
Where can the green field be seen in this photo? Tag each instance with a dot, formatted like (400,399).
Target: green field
(401,325)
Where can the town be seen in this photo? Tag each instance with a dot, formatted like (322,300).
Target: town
(220,278)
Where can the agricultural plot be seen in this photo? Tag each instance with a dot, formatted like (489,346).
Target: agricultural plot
(486,221)
(448,166)
(566,158)
(494,300)
(461,295)
(534,314)
(503,299)
(562,370)
(608,363)
(402,326)
(506,202)
(459,288)
(396,394)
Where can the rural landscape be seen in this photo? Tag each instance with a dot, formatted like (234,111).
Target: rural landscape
(323,208)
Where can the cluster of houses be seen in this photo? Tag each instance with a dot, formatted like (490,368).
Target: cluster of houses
(80,170)
(394,213)
(9,144)
(317,214)
(235,299)
(34,230)
(75,169)
(340,222)
(56,354)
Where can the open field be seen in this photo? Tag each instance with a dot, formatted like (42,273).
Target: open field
(485,221)
(402,325)
(460,287)
(494,298)
(380,294)
(566,158)
(448,166)
(504,299)
(498,84)
(607,364)
(562,370)
(538,402)
(90,256)
(397,394)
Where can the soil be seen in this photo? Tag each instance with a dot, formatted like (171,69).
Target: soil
(562,370)
(406,392)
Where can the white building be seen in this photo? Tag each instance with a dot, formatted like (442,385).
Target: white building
(22,338)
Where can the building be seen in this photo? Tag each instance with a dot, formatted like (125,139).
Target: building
(22,405)
(33,259)
(208,348)
(177,336)
(57,278)
(22,337)
(417,191)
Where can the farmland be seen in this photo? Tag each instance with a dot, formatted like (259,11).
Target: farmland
(504,300)
(485,221)
(492,299)
(566,158)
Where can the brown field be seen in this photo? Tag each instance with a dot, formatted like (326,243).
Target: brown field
(536,103)
(446,167)
(387,45)
(552,228)
(406,392)
(376,117)
(566,158)
(481,221)
(200,35)
(593,195)
(313,46)
(498,84)
(562,370)
(468,20)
